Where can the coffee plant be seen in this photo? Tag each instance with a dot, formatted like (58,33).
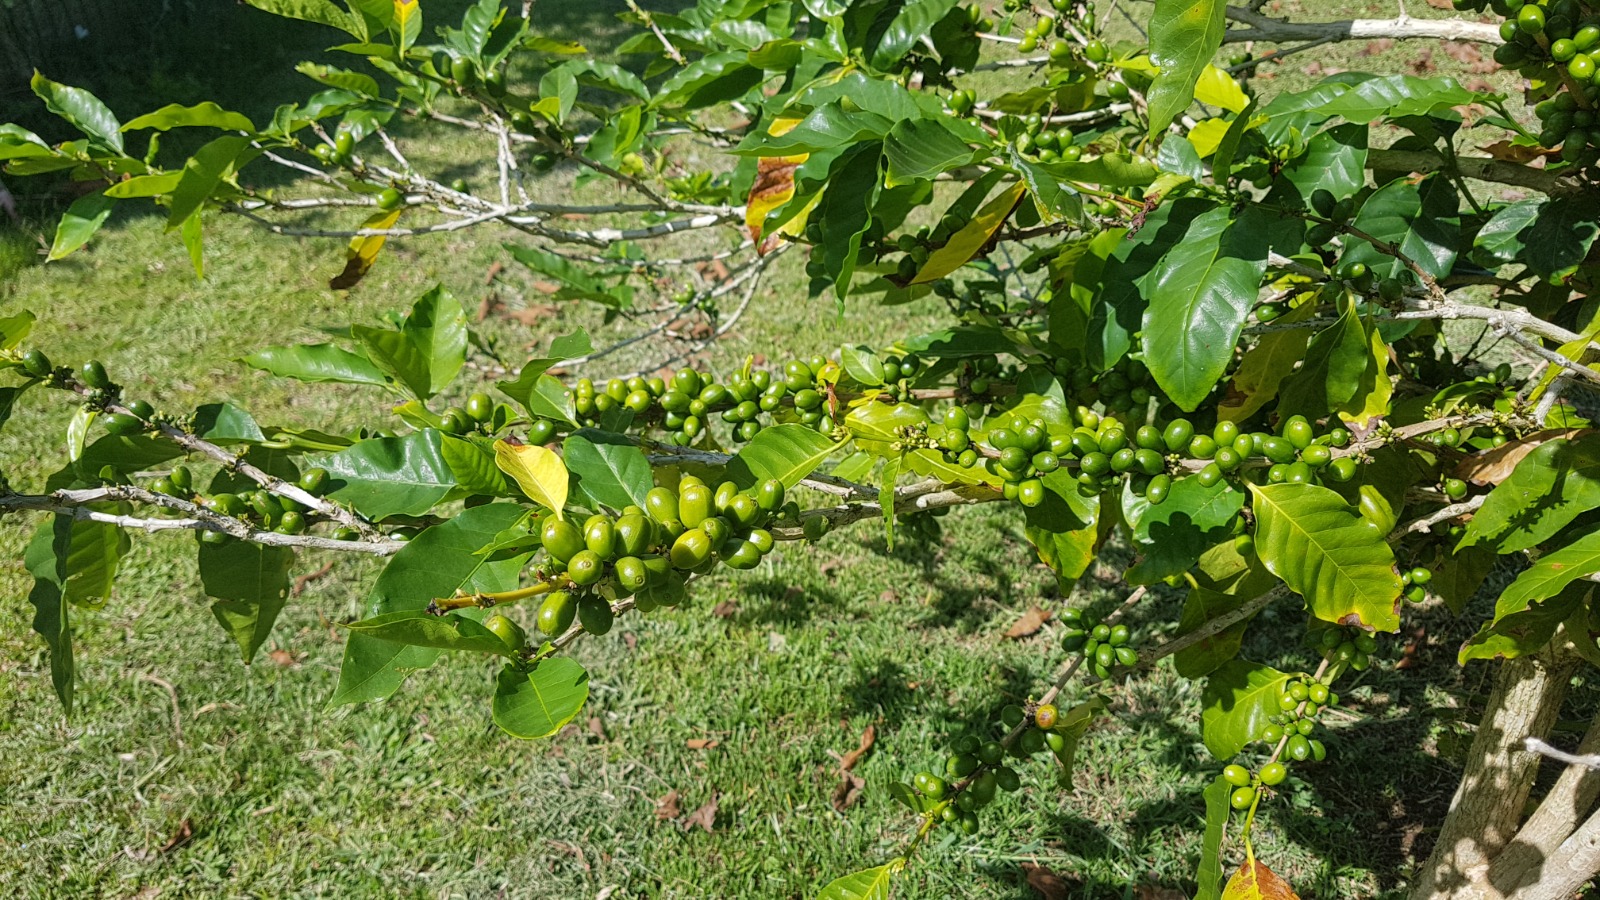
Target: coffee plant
(1186,316)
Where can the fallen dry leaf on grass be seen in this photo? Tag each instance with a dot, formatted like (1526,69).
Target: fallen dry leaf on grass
(701,743)
(1047,884)
(667,806)
(1030,623)
(705,816)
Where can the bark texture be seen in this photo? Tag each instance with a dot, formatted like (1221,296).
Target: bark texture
(1486,812)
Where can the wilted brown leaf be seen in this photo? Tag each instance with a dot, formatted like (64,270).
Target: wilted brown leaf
(1030,623)
(847,791)
(1495,465)
(701,743)
(1047,884)
(283,658)
(1509,152)
(303,580)
(773,187)
(1254,881)
(183,835)
(849,760)
(705,816)
(667,807)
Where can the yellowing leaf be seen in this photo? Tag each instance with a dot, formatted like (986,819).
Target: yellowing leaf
(1217,88)
(1254,881)
(539,472)
(972,236)
(1372,396)
(407,21)
(773,187)
(1264,367)
(1207,135)
(363,251)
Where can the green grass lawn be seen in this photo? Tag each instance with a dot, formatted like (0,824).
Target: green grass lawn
(184,773)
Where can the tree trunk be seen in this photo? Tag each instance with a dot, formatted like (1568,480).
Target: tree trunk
(1487,809)
(1522,865)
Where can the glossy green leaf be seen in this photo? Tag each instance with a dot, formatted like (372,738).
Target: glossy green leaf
(913,22)
(91,553)
(1520,628)
(324,12)
(1184,36)
(437,329)
(1201,606)
(82,110)
(563,348)
(15,328)
(606,470)
(395,476)
(206,115)
(1171,536)
(868,884)
(1419,219)
(317,362)
(1238,698)
(787,452)
(919,149)
(1067,530)
(420,628)
(931,463)
(713,78)
(46,560)
(1395,95)
(828,127)
(472,462)
(861,363)
(1209,877)
(249,584)
(203,172)
(891,471)
(79,223)
(842,217)
(224,423)
(1560,237)
(1335,161)
(193,242)
(1551,486)
(1500,240)
(538,703)
(1309,537)
(1551,574)
(358,83)
(437,563)
(1199,297)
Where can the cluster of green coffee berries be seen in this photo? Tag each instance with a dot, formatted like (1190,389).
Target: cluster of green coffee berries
(646,552)
(1302,700)
(259,507)
(1024,452)
(1126,387)
(1065,18)
(686,404)
(1352,647)
(1103,647)
(977,770)
(1559,37)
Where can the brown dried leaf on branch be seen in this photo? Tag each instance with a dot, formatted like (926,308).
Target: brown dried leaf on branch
(1254,881)
(1495,465)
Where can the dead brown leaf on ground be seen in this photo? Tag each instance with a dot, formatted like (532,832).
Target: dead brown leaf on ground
(701,743)
(1047,884)
(667,807)
(1030,623)
(705,816)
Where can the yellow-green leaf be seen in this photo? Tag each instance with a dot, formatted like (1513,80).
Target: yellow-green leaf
(1264,367)
(972,236)
(1217,88)
(363,250)
(1374,389)
(539,472)
(1309,537)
